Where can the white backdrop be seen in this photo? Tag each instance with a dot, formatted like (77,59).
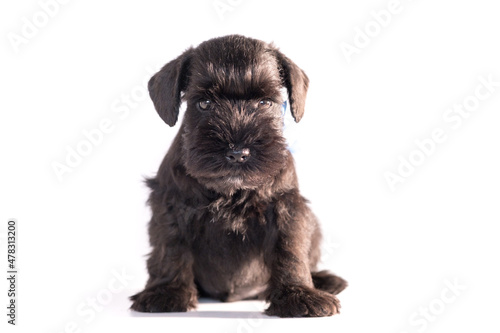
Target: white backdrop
(399,156)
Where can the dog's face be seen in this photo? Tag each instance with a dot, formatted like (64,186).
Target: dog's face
(232,130)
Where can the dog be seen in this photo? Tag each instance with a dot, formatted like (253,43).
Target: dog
(228,220)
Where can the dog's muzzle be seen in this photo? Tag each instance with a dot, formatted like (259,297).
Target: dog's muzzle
(237,156)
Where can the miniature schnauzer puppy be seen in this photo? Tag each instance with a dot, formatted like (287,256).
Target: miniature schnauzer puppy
(228,220)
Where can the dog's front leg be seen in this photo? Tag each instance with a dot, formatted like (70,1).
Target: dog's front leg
(170,287)
(291,292)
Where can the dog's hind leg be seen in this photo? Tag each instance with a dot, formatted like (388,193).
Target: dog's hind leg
(328,282)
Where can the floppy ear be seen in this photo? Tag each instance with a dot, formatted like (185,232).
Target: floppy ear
(165,87)
(296,82)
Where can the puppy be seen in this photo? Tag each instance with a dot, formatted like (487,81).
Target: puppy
(228,220)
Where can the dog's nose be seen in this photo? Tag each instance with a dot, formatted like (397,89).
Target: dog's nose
(238,155)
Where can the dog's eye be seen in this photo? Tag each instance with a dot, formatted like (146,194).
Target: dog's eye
(265,104)
(205,104)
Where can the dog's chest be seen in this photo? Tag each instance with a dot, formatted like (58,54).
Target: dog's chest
(230,232)
(231,240)
(241,213)
(230,265)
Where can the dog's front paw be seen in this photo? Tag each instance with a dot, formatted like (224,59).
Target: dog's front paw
(164,299)
(300,301)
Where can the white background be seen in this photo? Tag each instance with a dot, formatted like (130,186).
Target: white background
(396,248)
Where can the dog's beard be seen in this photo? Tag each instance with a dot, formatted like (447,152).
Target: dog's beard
(205,158)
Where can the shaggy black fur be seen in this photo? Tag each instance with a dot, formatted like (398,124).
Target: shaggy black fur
(225,229)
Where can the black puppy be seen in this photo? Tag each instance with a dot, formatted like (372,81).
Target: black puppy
(228,219)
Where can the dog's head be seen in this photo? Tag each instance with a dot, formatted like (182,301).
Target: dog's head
(232,129)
